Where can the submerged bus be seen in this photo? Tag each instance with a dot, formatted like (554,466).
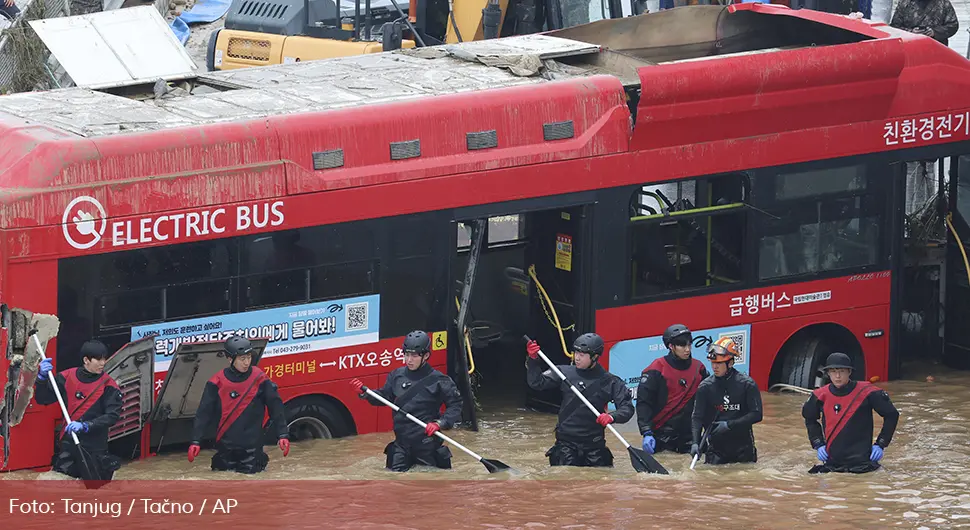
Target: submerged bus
(737,169)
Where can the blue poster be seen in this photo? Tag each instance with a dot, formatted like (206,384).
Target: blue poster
(629,358)
(291,329)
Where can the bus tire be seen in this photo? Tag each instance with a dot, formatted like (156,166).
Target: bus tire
(801,360)
(315,417)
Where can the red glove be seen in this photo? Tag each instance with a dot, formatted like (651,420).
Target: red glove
(193,452)
(358,385)
(432,428)
(284,446)
(533,349)
(604,419)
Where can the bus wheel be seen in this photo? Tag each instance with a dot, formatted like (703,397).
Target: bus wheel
(315,417)
(801,359)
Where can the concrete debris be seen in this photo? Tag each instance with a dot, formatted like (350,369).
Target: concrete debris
(26,357)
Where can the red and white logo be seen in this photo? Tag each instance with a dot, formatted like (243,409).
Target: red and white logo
(84,222)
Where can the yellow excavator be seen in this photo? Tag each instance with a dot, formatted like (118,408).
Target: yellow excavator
(264,32)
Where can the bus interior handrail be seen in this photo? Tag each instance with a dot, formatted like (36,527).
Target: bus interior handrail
(703,209)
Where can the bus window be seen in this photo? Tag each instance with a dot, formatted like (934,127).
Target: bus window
(102,296)
(412,280)
(131,307)
(197,299)
(689,234)
(343,280)
(464,237)
(808,184)
(821,220)
(407,296)
(502,229)
(160,283)
(316,263)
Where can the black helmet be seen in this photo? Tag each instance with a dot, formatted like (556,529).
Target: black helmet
(237,345)
(590,343)
(417,342)
(837,360)
(675,331)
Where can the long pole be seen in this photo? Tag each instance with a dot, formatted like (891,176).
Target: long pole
(57,391)
(492,466)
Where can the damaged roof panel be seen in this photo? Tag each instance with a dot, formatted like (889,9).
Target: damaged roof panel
(121,47)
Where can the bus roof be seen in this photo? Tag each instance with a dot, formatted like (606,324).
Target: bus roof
(327,84)
(375,79)
(695,81)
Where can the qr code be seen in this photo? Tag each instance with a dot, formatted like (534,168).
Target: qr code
(356,317)
(740,339)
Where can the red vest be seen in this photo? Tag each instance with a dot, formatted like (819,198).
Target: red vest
(836,410)
(678,395)
(235,397)
(82,396)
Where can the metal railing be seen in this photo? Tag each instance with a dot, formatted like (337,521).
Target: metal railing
(8,59)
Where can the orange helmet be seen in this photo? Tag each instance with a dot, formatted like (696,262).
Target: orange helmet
(722,350)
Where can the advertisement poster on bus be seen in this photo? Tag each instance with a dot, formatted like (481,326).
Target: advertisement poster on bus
(629,358)
(291,329)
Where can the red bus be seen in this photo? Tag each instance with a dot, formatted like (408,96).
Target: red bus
(742,175)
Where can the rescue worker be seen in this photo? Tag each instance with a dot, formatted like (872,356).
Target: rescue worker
(234,401)
(581,435)
(420,390)
(934,18)
(728,405)
(843,442)
(665,395)
(93,402)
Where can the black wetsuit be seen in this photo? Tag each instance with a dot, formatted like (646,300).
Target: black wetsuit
(421,393)
(665,401)
(847,427)
(734,398)
(580,441)
(94,399)
(233,405)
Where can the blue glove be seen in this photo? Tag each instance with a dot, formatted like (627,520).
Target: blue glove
(45,366)
(720,428)
(823,455)
(649,443)
(876,453)
(77,426)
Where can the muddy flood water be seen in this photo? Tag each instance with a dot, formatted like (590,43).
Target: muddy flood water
(924,481)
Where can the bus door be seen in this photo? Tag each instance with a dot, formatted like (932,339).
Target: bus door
(956,335)
(515,274)
(557,259)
